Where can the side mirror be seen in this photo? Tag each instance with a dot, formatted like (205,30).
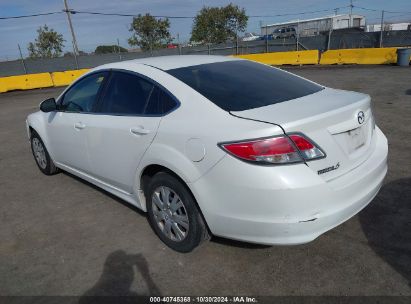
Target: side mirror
(48,105)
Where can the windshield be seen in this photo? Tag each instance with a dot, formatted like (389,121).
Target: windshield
(242,85)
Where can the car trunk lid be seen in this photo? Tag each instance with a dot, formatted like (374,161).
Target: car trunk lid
(339,122)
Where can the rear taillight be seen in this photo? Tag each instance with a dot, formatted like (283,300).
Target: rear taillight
(275,150)
(308,149)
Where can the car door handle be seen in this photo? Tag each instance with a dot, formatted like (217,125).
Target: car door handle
(139,131)
(79,126)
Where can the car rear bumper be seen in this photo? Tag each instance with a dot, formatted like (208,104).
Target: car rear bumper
(285,204)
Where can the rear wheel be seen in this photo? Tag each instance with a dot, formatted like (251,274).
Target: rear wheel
(41,155)
(173,213)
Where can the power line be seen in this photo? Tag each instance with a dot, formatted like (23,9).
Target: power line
(27,16)
(301,13)
(192,17)
(379,10)
(128,15)
(164,16)
(367,9)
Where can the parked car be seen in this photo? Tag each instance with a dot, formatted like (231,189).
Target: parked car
(284,32)
(251,37)
(212,145)
(266,37)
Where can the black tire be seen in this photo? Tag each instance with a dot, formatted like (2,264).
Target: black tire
(48,168)
(197,231)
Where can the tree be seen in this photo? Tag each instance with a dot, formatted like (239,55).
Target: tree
(219,24)
(104,49)
(48,44)
(149,33)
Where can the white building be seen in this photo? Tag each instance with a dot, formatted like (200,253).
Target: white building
(389,27)
(315,26)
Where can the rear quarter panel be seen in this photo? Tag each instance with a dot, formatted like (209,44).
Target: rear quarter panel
(200,120)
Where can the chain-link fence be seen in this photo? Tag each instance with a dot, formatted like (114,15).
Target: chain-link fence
(335,40)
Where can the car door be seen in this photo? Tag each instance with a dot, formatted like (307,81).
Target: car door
(66,127)
(123,130)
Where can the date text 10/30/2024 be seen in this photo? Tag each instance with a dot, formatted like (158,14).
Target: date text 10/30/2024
(205,299)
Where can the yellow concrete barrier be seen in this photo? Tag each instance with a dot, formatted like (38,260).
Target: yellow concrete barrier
(360,56)
(67,77)
(280,58)
(34,81)
(40,80)
(60,78)
(346,56)
(74,74)
(26,82)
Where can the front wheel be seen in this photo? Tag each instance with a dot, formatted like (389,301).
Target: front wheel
(41,155)
(173,213)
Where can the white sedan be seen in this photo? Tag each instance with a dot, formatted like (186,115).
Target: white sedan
(210,145)
(251,37)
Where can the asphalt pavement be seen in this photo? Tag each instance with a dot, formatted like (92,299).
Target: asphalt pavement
(60,235)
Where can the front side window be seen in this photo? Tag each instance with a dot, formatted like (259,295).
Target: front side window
(240,85)
(126,94)
(83,94)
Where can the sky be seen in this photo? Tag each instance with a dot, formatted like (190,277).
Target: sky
(93,30)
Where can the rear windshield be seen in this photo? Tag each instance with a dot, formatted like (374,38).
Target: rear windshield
(242,85)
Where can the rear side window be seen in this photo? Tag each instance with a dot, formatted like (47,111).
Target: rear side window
(160,103)
(126,94)
(242,85)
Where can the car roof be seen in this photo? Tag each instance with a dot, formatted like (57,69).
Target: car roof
(169,62)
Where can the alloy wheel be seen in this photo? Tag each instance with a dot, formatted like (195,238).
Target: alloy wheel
(170,213)
(39,153)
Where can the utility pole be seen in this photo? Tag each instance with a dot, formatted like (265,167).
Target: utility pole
(179,44)
(22,60)
(266,39)
(236,37)
(382,27)
(69,12)
(349,20)
(118,48)
(298,34)
(329,39)
(75,56)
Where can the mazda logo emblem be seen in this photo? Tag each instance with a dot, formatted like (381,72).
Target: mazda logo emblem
(361,117)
